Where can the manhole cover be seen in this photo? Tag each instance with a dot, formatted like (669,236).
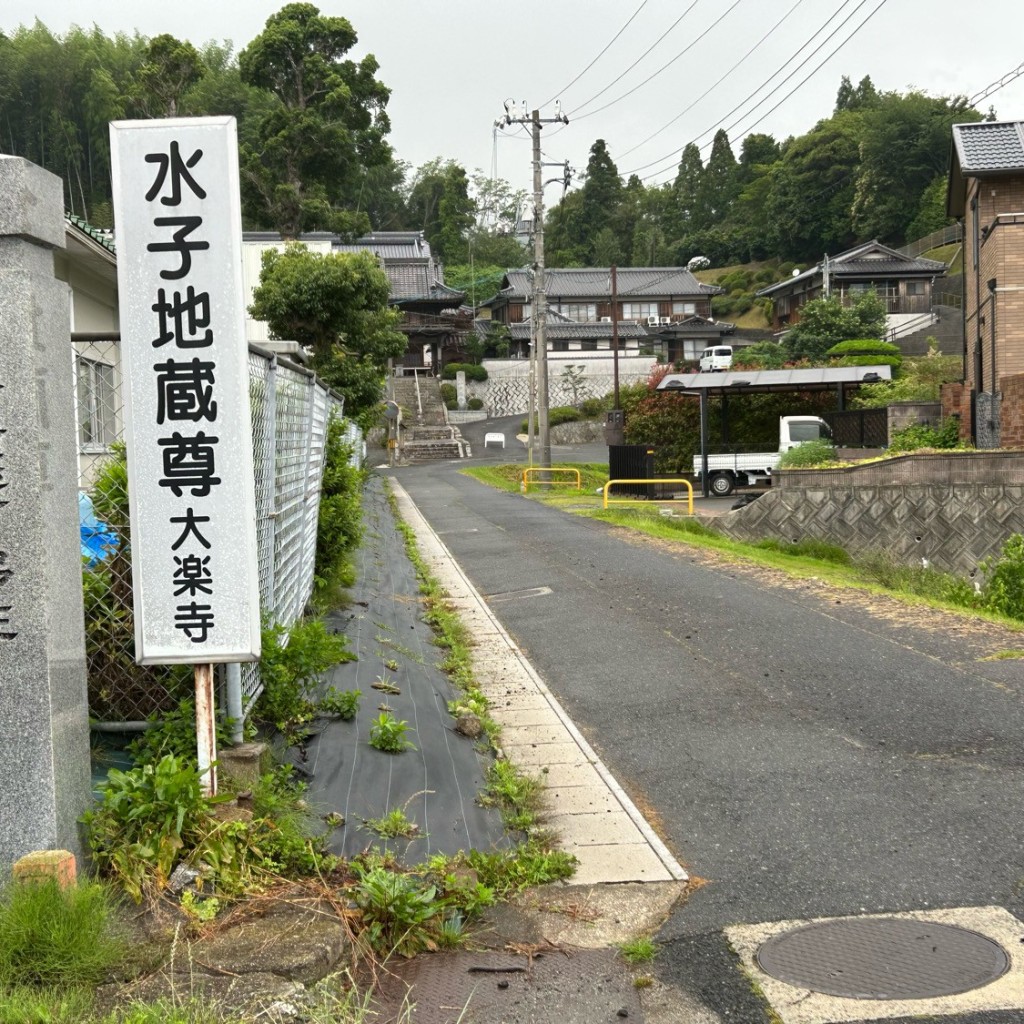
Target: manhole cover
(883,958)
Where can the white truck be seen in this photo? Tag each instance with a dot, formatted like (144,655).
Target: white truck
(726,472)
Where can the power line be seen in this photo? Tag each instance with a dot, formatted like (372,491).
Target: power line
(598,57)
(996,85)
(748,128)
(664,67)
(587,103)
(715,85)
(821,28)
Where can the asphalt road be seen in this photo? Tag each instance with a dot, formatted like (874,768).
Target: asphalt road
(806,752)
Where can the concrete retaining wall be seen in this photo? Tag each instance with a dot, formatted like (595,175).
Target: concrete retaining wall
(953,510)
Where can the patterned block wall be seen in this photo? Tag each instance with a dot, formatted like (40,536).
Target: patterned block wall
(952,511)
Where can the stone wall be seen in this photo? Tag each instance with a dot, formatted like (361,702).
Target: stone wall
(952,511)
(506,392)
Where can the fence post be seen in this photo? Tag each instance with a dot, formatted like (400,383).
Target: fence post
(268,468)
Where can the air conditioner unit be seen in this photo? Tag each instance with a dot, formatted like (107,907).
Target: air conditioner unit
(606,319)
(652,321)
(665,319)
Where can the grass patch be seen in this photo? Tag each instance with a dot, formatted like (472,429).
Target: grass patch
(640,950)
(57,937)
(1005,656)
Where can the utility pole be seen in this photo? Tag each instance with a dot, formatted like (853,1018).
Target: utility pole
(513,115)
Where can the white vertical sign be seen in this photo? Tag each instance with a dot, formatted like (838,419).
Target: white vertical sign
(186,367)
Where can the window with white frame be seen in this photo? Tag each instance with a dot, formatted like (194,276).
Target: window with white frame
(639,310)
(684,308)
(581,312)
(97,404)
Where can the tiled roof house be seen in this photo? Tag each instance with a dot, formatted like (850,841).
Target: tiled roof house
(986,191)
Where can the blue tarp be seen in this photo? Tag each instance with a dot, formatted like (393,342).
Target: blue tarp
(98,540)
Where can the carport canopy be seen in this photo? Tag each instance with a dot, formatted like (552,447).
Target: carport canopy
(733,382)
(745,382)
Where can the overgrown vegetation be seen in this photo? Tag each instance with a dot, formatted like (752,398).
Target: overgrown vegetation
(817,453)
(920,436)
(291,672)
(339,519)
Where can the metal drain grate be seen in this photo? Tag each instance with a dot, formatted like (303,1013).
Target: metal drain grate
(883,958)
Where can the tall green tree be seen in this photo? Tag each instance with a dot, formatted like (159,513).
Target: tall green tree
(863,96)
(304,169)
(335,305)
(812,189)
(904,147)
(719,185)
(679,216)
(169,69)
(439,205)
(601,196)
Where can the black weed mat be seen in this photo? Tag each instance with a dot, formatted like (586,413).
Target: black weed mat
(435,784)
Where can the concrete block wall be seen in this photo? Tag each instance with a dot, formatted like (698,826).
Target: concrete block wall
(954,511)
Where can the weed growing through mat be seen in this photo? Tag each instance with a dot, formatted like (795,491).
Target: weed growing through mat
(388,734)
(394,824)
(340,703)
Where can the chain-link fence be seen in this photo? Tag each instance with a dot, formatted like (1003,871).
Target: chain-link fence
(290,413)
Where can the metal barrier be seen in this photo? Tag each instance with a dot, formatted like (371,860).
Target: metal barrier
(290,413)
(661,501)
(525,482)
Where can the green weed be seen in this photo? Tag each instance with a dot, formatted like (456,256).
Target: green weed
(394,824)
(640,950)
(388,734)
(342,704)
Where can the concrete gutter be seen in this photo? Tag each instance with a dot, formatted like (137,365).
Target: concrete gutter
(594,816)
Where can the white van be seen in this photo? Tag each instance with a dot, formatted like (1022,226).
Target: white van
(717,358)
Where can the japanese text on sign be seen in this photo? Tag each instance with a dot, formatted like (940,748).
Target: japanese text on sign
(186,365)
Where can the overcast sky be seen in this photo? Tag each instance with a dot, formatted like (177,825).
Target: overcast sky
(450,65)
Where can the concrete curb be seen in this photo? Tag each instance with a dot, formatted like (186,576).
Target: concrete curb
(548,738)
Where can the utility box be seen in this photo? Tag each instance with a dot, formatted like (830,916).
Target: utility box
(631,462)
(614,427)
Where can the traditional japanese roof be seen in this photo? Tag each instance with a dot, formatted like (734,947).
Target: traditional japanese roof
(868,260)
(390,245)
(413,279)
(982,149)
(565,330)
(98,235)
(595,283)
(699,324)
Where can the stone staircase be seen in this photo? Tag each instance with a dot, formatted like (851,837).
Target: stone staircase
(946,328)
(427,436)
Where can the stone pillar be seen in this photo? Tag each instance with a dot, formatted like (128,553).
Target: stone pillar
(460,388)
(44,725)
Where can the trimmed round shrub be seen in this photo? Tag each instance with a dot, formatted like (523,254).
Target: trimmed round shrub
(475,403)
(449,393)
(559,414)
(591,407)
(472,371)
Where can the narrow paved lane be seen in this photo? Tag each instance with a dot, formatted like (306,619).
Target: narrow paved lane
(807,753)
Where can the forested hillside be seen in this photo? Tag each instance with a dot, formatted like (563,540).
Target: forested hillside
(315,155)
